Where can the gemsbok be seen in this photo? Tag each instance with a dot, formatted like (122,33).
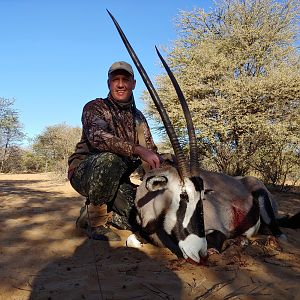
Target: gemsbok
(188,209)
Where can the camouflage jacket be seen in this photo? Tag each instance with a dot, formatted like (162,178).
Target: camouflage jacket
(110,127)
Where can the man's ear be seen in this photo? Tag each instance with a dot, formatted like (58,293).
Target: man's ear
(134,84)
(108,83)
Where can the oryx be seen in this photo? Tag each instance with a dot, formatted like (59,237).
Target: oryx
(187,208)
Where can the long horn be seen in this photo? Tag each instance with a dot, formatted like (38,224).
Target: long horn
(182,164)
(194,156)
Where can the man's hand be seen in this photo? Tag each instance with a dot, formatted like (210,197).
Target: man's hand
(148,156)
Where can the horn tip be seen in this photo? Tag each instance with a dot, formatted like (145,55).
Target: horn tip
(158,53)
(109,12)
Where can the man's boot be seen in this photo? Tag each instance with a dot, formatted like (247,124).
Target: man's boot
(94,221)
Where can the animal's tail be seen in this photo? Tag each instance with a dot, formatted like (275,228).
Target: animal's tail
(267,212)
(290,222)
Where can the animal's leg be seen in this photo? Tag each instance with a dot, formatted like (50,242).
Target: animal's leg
(267,212)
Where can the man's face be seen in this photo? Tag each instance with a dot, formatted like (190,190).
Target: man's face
(121,84)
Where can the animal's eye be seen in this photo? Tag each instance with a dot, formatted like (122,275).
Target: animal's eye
(155,183)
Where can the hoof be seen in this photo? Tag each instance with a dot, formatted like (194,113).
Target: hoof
(282,237)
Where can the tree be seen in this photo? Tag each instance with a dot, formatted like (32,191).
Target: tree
(10,130)
(239,70)
(278,161)
(54,146)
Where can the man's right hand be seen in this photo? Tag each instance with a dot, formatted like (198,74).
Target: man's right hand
(148,156)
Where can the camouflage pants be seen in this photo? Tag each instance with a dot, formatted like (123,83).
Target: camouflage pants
(104,178)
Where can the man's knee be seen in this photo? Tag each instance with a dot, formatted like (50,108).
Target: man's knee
(107,161)
(99,176)
(106,172)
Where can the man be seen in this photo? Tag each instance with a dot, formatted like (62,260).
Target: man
(115,138)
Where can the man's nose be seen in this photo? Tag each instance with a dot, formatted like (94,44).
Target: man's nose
(120,83)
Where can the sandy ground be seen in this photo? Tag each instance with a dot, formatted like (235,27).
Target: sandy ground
(44,257)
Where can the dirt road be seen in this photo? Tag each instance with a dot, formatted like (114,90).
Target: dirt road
(44,257)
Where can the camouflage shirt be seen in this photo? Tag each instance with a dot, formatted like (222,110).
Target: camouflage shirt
(108,126)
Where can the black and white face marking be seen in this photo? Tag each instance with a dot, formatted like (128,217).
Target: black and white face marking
(188,231)
(163,200)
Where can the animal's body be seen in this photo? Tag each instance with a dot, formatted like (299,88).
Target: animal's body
(232,206)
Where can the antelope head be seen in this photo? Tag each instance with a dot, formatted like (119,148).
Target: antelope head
(169,198)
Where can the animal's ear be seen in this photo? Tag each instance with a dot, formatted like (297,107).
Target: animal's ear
(168,159)
(155,183)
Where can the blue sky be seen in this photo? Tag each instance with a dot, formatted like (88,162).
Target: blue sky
(54,55)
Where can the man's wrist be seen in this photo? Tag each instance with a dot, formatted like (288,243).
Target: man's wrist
(136,150)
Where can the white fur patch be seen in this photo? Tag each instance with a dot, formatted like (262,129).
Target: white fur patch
(193,247)
(170,219)
(193,200)
(171,214)
(252,230)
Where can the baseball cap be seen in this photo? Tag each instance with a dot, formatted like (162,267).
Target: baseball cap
(121,65)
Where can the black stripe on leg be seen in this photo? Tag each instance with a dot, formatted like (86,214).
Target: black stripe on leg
(266,204)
